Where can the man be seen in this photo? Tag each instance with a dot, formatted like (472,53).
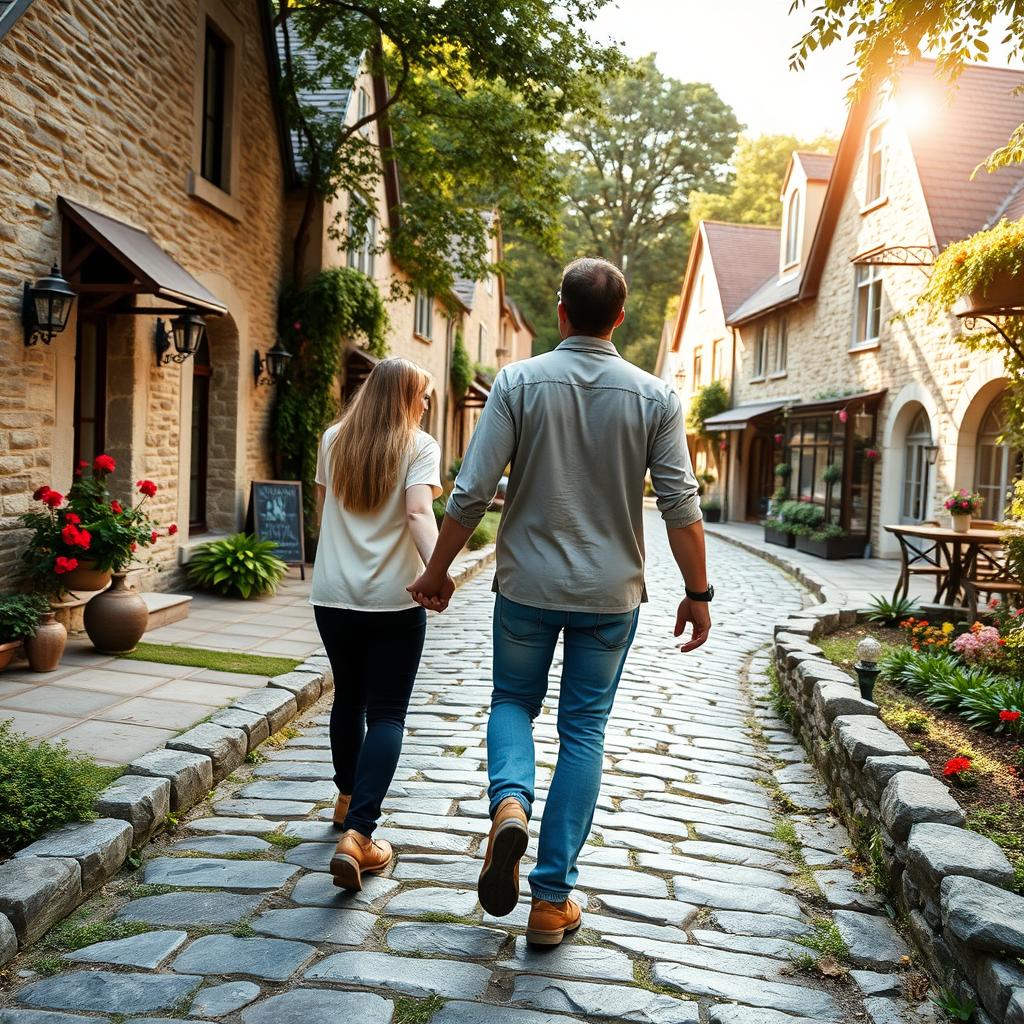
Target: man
(581,428)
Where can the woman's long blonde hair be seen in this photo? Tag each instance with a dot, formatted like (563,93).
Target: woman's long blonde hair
(375,433)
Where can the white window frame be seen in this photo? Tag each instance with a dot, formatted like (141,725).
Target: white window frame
(698,366)
(716,359)
(481,341)
(423,316)
(489,284)
(793,230)
(874,173)
(781,348)
(867,284)
(761,347)
(361,258)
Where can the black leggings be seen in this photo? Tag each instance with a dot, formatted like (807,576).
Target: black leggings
(374,657)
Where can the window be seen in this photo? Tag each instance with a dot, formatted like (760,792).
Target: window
(868,316)
(698,368)
(214,160)
(916,470)
(876,165)
(362,103)
(90,388)
(716,360)
(489,284)
(360,257)
(481,342)
(996,465)
(793,230)
(424,315)
(700,292)
(782,346)
(198,477)
(761,350)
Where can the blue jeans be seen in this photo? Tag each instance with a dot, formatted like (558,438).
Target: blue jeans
(595,652)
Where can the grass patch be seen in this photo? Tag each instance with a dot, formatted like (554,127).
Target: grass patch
(826,940)
(283,841)
(44,785)
(486,532)
(244,931)
(416,1011)
(780,703)
(282,736)
(841,647)
(785,832)
(436,917)
(1003,824)
(218,661)
(46,964)
(74,934)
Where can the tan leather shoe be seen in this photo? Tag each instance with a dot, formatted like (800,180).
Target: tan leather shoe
(357,855)
(498,887)
(550,922)
(341,809)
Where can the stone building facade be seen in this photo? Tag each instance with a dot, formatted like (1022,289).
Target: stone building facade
(835,364)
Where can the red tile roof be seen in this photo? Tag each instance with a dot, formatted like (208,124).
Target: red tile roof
(743,256)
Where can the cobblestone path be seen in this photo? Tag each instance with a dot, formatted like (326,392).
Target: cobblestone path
(711,862)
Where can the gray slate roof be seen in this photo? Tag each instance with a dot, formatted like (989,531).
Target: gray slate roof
(10,12)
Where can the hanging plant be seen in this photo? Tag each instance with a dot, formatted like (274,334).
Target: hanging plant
(831,473)
(462,368)
(783,470)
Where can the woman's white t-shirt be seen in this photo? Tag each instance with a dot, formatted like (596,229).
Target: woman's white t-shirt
(364,561)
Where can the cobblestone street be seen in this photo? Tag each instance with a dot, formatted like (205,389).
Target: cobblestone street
(712,857)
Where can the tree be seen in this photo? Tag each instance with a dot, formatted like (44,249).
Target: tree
(760,164)
(627,178)
(476,93)
(889,33)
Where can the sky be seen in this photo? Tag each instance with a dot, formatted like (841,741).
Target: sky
(742,48)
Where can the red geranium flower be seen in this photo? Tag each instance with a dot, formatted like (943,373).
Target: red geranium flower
(76,538)
(1008,716)
(53,498)
(62,565)
(135,547)
(40,493)
(172,529)
(71,519)
(956,766)
(146,487)
(153,537)
(103,464)
(116,506)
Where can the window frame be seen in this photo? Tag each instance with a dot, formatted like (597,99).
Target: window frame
(423,316)
(865,278)
(698,366)
(781,361)
(362,258)
(793,220)
(762,345)
(875,146)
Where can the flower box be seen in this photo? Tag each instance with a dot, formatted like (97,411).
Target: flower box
(1006,291)
(779,537)
(833,547)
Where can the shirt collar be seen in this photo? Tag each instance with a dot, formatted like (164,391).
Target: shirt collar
(584,343)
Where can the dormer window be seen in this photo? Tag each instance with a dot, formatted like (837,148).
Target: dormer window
(875,184)
(793,230)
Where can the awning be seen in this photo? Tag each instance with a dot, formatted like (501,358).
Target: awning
(738,418)
(839,402)
(476,394)
(150,270)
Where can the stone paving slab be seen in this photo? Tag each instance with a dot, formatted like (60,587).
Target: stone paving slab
(109,992)
(150,950)
(270,959)
(206,873)
(304,1006)
(413,977)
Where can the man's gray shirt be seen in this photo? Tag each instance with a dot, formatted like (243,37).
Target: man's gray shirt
(581,426)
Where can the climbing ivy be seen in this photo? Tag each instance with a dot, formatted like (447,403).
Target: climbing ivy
(708,401)
(337,307)
(462,368)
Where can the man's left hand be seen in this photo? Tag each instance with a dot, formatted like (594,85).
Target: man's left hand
(698,615)
(432,592)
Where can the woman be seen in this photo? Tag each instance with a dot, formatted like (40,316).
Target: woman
(378,474)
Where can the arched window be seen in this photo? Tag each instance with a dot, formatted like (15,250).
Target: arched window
(997,464)
(793,229)
(202,371)
(916,470)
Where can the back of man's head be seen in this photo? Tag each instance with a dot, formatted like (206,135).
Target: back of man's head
(593,293)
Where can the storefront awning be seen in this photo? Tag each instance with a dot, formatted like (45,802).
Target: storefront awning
(738,418)
(839,402)
(143,267)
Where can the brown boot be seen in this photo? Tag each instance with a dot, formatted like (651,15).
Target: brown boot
(357,855)
(498,887)
(550,922)
(341,809)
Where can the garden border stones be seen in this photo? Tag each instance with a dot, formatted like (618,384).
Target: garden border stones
(950,883)
(49,879)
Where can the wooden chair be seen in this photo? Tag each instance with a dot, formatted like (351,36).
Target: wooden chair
(1006,586)
(922,557)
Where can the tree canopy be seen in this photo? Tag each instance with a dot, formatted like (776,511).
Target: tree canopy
(476,93)
(627,178)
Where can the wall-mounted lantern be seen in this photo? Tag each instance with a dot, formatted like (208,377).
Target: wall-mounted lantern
(46,307)
(185,335)
(275,363)
(932,453)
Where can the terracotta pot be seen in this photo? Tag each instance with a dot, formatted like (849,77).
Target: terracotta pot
(46,648)
(961,524)
(116,619)
(7,652)
(87,577)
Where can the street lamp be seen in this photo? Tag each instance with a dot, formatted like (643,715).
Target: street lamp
(275,363)
(869,650)
(46,306)
(185,334)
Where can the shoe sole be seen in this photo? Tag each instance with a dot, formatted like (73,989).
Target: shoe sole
(536,937)
(347,874)
(497,887)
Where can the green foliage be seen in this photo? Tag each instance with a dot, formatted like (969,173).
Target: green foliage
(486,531)
(1004,825)
(1013,537)
(461,369)
(801,518)
(831,473)
(337,308)
(44,785)
(781,704)
(783,470)
(982,705)
(218,661)
(416,1011)
(284,842)
(709,401)
(73,933)
(438,505)
(753,197)
(956,1007)
(19,616)
(889,611)
(239,565)
(825,940)
(911,719)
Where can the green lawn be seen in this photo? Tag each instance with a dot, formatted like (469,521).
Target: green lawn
(220,661)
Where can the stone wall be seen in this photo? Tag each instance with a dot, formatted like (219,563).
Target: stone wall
(950,885)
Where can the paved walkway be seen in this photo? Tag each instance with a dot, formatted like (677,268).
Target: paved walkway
(697,886)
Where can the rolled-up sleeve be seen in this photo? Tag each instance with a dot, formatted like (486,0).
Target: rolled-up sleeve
(489,452)
(671,472)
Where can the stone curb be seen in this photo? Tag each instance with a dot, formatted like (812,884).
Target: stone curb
(52,877)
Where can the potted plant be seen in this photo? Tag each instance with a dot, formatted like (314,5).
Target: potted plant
(19,618)
(961,505)
(712,509)
(831,474)
(783,470)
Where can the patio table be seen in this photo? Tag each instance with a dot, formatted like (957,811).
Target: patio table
(955,552)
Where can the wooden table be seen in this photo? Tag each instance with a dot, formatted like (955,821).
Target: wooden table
(954,552)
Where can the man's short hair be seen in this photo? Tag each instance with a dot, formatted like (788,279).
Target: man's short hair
(593,293)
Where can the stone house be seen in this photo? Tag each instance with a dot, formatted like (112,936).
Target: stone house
(833,363)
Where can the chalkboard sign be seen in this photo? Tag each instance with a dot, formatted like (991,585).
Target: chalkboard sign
(275,513)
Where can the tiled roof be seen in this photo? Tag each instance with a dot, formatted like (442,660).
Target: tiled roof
(817,166)
(954,132)
(10,12)
(771,294)
(743,256)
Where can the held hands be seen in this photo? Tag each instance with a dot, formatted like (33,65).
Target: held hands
(698,615)
(432,592)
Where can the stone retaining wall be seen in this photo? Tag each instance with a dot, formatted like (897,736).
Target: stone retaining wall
(950,885)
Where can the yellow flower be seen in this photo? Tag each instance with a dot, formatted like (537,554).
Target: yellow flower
(947,628)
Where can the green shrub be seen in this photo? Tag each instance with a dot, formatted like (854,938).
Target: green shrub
(239,565)
(439,506)
(802,518)
(708,401)
(889,611)
(486,531)
(44,785)
(895,662)
(19,616)
(948,689)
(461,368)
(982,706)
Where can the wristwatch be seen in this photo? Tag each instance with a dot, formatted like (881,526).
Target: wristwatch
(706,595)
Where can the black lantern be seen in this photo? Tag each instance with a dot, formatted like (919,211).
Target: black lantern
(185,334)
(46,307)
(275,363)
